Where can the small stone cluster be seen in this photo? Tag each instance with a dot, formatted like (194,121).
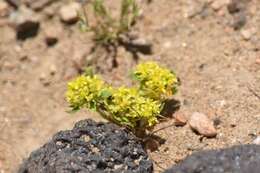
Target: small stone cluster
(198,122)
(27,21)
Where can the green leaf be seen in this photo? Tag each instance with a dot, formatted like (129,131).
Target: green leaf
(99,8)
(73,110)
(89,72)
(133,76)
(174,89)
(105,93)
(93,106)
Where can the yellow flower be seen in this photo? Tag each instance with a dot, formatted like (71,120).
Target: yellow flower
(84,91)
(128,107)
(154,81)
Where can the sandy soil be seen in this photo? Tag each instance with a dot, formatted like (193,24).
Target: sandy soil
(218,67)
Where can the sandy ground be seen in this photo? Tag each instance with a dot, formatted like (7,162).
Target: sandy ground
(218,67)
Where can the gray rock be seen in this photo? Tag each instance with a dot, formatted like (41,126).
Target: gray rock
(237,159)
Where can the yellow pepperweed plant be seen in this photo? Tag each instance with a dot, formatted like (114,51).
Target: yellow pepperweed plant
(136,108)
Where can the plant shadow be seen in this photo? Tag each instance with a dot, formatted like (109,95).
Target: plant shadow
(109,52)
(153,142)
(170,107)
(135,48)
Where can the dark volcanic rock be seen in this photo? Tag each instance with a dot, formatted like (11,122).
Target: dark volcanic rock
(89,147)
(238,159)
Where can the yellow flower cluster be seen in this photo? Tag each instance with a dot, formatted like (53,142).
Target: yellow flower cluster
(154,81)
(136,108)
(84,91)
(128,108)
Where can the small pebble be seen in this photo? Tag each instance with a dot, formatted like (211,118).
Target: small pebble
(233,125)
(43,77)
(3,9)
(167,45)
(247,33)
(53,70)
(49,12)
(23,57)
(257,61)
(69,13)
(180,119)
(3,110)
(257,141)
(200,123)
(52,34)
(194,8)
(18,48)
(218,4)
(8,65)
(141,42)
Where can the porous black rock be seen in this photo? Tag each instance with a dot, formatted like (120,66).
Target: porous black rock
(237,159)
(90,147)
